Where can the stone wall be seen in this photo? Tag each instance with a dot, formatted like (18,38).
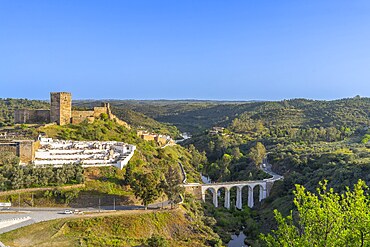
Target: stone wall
(26,151)
(99,110)
(80,116)
(84,114)
(119,121)
(31,116)
(77,120)
(61,108)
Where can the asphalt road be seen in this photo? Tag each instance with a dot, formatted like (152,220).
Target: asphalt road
(45,214)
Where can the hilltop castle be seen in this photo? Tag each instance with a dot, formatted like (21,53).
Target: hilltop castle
(61,112)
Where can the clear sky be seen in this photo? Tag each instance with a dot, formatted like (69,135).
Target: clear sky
(191,49)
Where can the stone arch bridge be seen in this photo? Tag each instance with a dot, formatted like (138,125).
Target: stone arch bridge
(265,186)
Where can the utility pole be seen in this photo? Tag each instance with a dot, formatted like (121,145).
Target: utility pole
(114,203)
(99,204)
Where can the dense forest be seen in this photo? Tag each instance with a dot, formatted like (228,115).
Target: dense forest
(307,141)
(197,116)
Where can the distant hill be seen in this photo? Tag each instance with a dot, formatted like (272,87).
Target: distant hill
(195,116)
(198,116)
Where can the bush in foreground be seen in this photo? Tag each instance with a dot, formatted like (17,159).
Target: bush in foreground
(325,219)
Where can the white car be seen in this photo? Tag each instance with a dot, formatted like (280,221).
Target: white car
(67,211)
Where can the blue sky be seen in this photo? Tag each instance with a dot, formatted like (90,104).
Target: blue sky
(193,49)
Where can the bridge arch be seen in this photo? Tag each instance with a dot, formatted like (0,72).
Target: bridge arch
(245,191)
(213,192)
(262,188)
(262,191)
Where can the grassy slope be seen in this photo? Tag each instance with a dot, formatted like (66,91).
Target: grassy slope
(128,229)
(107,183)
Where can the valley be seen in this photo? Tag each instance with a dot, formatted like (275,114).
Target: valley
(303,140)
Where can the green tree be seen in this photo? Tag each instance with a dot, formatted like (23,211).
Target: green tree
(235,152)
(104,116)
(16,179)
(325,219)
(172,185)
(146,186)
(3,182)
(8,158)
(60,177)
(257,153)
(198,159)
(259,126)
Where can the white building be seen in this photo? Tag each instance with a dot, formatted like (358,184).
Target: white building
(86,153)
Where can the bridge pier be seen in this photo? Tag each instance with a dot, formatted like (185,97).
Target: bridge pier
(227,198)
(215,198)
(263,193)
(239,200)
(250,197)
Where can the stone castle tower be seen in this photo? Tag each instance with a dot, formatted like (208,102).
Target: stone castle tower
(60,108)
(61,112)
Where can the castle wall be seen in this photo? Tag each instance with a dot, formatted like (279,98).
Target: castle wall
(61,108)
(119,121)
(99,110)
(31,116)
(82,114)
(77,120)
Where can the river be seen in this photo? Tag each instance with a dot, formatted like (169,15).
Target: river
(237,240)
